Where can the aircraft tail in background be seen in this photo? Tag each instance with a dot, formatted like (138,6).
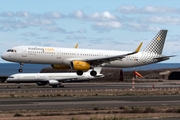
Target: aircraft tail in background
(157,44)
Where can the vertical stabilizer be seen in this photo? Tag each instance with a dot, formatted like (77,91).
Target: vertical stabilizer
(157,44)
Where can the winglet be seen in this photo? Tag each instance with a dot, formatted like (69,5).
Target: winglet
(76,46)
(139,47)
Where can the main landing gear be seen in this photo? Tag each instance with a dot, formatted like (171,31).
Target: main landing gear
(21,66)
(92,73)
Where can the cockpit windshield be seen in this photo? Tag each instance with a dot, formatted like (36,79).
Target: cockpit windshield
(10,77)
(11,50)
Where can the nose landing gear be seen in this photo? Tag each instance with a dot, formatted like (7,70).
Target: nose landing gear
(21,66)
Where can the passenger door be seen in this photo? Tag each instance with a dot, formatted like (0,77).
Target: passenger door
(58,53)
(24,52)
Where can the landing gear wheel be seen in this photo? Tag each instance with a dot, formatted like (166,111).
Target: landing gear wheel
(54,86)
(79,72)
(21,66)
(20,70)
(93,73)
(61,86)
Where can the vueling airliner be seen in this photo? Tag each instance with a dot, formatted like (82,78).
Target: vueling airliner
(85,59)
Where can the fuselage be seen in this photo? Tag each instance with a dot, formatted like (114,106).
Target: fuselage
(63,56)
(45,77)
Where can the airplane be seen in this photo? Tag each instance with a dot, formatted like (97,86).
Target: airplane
(52,79)
(85,59)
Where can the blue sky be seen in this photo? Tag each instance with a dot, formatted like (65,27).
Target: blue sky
(93,24)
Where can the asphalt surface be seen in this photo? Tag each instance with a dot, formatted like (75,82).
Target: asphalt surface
(90,102)
(8,104)
(89,86)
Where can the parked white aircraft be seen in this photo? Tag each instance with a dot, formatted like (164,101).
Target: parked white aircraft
(85,59)
(53,79)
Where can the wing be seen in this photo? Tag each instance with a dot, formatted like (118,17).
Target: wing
(98,61)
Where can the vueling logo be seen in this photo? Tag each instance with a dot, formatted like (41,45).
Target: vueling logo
(49,49)
(41,49)
(159,38)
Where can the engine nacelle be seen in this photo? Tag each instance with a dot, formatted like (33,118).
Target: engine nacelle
(57,66)
(53,82)
(41,83)
(80,65)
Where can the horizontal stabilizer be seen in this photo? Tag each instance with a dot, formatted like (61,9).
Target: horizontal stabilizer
(163,58)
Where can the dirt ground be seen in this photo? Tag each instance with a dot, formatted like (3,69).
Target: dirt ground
(129,116)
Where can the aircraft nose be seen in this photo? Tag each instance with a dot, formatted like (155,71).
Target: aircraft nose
(4,56)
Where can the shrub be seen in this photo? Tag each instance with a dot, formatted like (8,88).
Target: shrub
(18,115)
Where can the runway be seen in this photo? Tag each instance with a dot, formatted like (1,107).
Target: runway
(89,86)
(87,102)
(60,103)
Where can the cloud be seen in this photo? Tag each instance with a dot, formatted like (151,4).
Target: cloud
(4,29)
(29,34)
(24,19)
(104,16)
(19,24)
(12,24)
(100,40)
(44,37)
(130,9)
(53,15)
(140,27)
(112,24)
(36,43)
(76,37)
(23,14)
(20,14)
(37,22)
(163,20)
(106,26)
(27,15)
(177,45)
(119,43)
(81,30)
(54,29)
(105,39)
(46,21)
(7,14)
(79,14)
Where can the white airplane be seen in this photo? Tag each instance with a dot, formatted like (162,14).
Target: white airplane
(53,79)
(85,59)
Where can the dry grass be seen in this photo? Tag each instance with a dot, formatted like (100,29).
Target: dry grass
(69,93)
(121,113)
(123,116)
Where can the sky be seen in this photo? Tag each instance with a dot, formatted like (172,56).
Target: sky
(93,24)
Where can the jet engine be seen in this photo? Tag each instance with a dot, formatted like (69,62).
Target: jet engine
(54,83)
(58,66)
(41,83)
(80,65)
